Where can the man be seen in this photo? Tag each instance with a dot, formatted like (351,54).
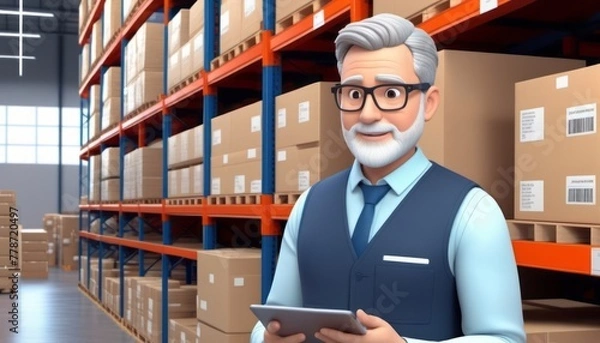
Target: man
(420,253)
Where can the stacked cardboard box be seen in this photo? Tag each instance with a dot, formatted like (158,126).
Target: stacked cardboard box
(236,151)
(68,247)
(182,304)
(111,97)
(472,130)
(95,178)
(110,174)
(144,66)
(33,246)
(186,156)
(422,10)
(143,174)
(179,30)
(196,39)
(83,15)
(239,21)
(561,321)
(228,283)
(112,20)
(96,42)
(8,254)
(85,61)
(556,147)
(95,104)
(308,138)
(50,224)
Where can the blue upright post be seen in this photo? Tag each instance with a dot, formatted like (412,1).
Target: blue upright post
(211,46)
(271,88)
(166,224)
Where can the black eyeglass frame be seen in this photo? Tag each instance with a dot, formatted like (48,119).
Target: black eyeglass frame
(423,87)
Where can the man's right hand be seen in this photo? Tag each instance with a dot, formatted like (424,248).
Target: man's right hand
(272,337)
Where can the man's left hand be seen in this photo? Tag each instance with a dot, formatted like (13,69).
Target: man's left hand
(378,330)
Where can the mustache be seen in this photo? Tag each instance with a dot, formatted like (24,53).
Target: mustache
(376,128)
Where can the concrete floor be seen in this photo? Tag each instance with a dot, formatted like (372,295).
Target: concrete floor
(55,310)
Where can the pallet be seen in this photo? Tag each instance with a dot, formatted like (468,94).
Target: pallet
(184,83)
(141,109)
(565,233)
(143,201)
(184,201)
(300,14)
(236,51)
(286,198)
(236,199)
(433,10)
(108,202)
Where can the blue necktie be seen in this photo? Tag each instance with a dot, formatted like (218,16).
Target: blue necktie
(372,195)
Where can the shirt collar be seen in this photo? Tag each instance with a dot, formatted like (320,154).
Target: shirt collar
(398,180)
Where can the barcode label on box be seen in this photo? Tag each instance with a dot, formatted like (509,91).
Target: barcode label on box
(562,82)
(532,125)
(304,112)
(532,196)
(581,190)
(215,186)
(596,261)
(251,154)
(303,180)
(318,19)
(225,159)
(239,184)
(281,118)
(224,23)
(211,278)
(256,186)
(198,42)
(216,137)
(255,124)
(203,305)
(238,282)
(581,120)
(281,156)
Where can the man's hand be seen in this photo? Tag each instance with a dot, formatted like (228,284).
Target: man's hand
(378,330)
(272,337)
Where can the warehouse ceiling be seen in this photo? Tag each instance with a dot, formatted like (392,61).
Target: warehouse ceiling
(65,21)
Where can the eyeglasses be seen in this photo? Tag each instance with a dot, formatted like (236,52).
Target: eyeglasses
(387,97)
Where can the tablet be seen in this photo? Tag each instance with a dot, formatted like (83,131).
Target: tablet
(308,320)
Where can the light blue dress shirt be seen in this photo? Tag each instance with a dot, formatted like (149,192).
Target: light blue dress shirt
(480,256)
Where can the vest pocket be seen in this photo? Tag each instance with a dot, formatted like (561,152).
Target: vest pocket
(403,293)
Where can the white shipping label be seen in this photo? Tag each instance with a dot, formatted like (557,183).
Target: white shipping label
(150,304)
(318,19)
(532,196)
(581,120)
(303,180)
(281,118)
(532,125)
(255,186)
(198,42)
(225,159)
(67,241)
(255,124)
(238,282)
(203,305)
(224,22)
(183,338)
(185,51)
(211,278)
(562,82)
(251,153)
(239,184)
(281,156)
(303,111)
(198,332)
(216,137)
(487,5)
(215,185)
(149,326)
(249,7)
(581,190)
(596,261)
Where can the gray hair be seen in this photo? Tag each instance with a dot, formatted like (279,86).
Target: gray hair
(389,30)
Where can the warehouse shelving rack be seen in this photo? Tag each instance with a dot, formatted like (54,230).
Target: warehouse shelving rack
(267,56)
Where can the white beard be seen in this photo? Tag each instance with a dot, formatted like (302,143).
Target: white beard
(381,154)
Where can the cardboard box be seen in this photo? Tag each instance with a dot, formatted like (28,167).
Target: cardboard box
(252,18)
(198,51)
(196,18)
(472,130)
(246,128)
(285,8)
(149,48)
(112,20)
(95,96)
(197,177)
(110,163)
(95,174)
(174,76)
(33,246)
(179,30)
(556,147)
(111,86)
(149,86)
(196,140)
(32,235)
(405,9)
(174,183)
(229,282)
(35,256)
(561,324)
(83,15)
(96,41)
(237,173)
(110,190)
(221,137)
(85,61)
(186,61)
(230,25)
(111,112)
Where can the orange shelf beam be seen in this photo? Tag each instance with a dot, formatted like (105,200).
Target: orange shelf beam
(458,19)
(184,210)
(331,11)
(185,93)
(146,115)
(142,208)
(158,248)
(94,145)
(570,258)
(240,62)
(234,211)
(281,212)
(94,15)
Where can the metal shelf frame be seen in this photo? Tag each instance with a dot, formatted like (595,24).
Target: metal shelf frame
(268,54)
